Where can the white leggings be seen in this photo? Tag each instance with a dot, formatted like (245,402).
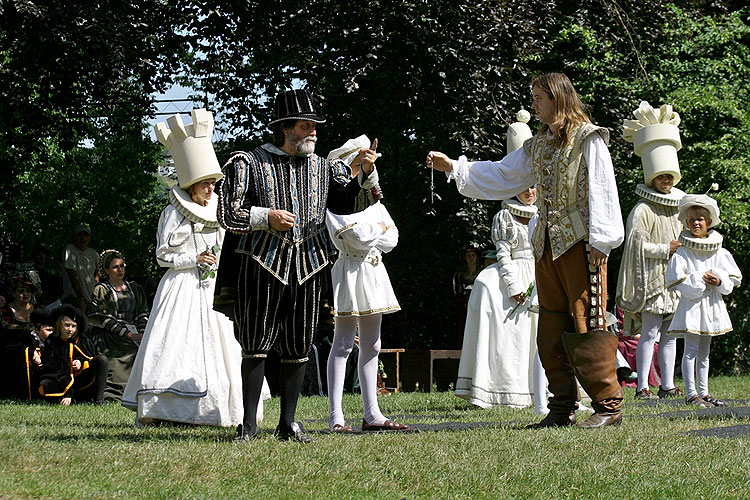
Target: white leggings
(651,326)
(695,364)
(369,348)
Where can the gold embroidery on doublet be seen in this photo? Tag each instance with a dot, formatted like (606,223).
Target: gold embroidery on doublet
(562,181)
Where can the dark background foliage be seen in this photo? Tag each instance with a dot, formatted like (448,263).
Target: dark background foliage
(416,74)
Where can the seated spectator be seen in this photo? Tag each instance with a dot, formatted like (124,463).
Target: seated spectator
(72,369)
(21,358)
(16,314)
(119,313)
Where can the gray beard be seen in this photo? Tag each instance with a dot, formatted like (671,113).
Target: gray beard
(306,146)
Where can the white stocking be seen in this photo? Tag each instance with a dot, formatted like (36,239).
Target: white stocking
(701,365)
(696,346)
(666,356)
(369,348)
(644,353)
(343,341)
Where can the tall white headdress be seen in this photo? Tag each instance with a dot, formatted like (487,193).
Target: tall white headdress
(191,147)
(656,139)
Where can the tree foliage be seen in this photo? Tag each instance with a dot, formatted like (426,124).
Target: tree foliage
(416,74)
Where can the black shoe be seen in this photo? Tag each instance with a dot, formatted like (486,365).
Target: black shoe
(243,435)
(295,433)
(714,401)
(554,420)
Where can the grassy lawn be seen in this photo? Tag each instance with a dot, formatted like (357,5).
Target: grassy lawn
(95,452)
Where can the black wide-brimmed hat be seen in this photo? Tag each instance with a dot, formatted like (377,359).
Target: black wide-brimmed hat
(297,105)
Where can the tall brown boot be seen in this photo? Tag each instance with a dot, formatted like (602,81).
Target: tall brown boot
(594,358)
(560,375)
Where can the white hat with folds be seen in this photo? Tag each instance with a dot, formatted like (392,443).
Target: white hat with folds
(656,139)
(699,200)
(191,148)
(350,149)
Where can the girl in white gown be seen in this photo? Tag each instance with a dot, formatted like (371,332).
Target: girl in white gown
(499,361)
(188,366)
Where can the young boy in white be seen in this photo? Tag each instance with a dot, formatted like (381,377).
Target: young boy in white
(362,293)
(702,271)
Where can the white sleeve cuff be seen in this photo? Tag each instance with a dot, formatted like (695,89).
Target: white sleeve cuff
(259,218)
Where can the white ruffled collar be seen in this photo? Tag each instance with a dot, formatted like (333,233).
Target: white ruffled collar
(519,209)
(278,151)
(194,212)
(670,200)
(711,243)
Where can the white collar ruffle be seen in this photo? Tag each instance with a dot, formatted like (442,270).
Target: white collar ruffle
(192,211)
(670,200)
(711,243)
(278,151)
(519,209)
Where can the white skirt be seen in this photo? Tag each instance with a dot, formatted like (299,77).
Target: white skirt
(361,288)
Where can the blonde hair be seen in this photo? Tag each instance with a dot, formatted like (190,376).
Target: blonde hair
(697,210)
(569,109)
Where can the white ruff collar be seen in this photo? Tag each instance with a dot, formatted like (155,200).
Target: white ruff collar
(519,209)
(711,243)
(278,151)
(189,209)
(670,200)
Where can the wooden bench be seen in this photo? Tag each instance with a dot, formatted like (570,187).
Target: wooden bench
(397,352)
(436,354)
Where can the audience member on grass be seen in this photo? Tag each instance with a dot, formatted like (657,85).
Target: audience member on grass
(703,272)
(21,358)
(579,224)
(188,368)
(362,293)
(72,370)
(499,357)
(118,314)
(79,261)
(16,314)
(276,272)
(652,233)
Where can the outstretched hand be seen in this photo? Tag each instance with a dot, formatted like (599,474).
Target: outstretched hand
(439,161)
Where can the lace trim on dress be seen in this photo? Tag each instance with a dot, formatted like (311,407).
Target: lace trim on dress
(670,200)
(709,244)
(189,209)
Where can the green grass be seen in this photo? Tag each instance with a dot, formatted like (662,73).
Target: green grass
(84,452)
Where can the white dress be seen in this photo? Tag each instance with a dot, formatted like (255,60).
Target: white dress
(361,285)
(497,358)
(188,366)
(701,310)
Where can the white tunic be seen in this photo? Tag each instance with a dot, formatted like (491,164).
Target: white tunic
(701,310)
(188,366)
(499,345)
(360,282)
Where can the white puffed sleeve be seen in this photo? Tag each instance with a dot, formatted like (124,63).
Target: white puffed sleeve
(174,241)
(681,277)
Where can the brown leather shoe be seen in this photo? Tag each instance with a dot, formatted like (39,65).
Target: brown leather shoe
(601,420)
(388,425)
(342,429)
(554,420)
